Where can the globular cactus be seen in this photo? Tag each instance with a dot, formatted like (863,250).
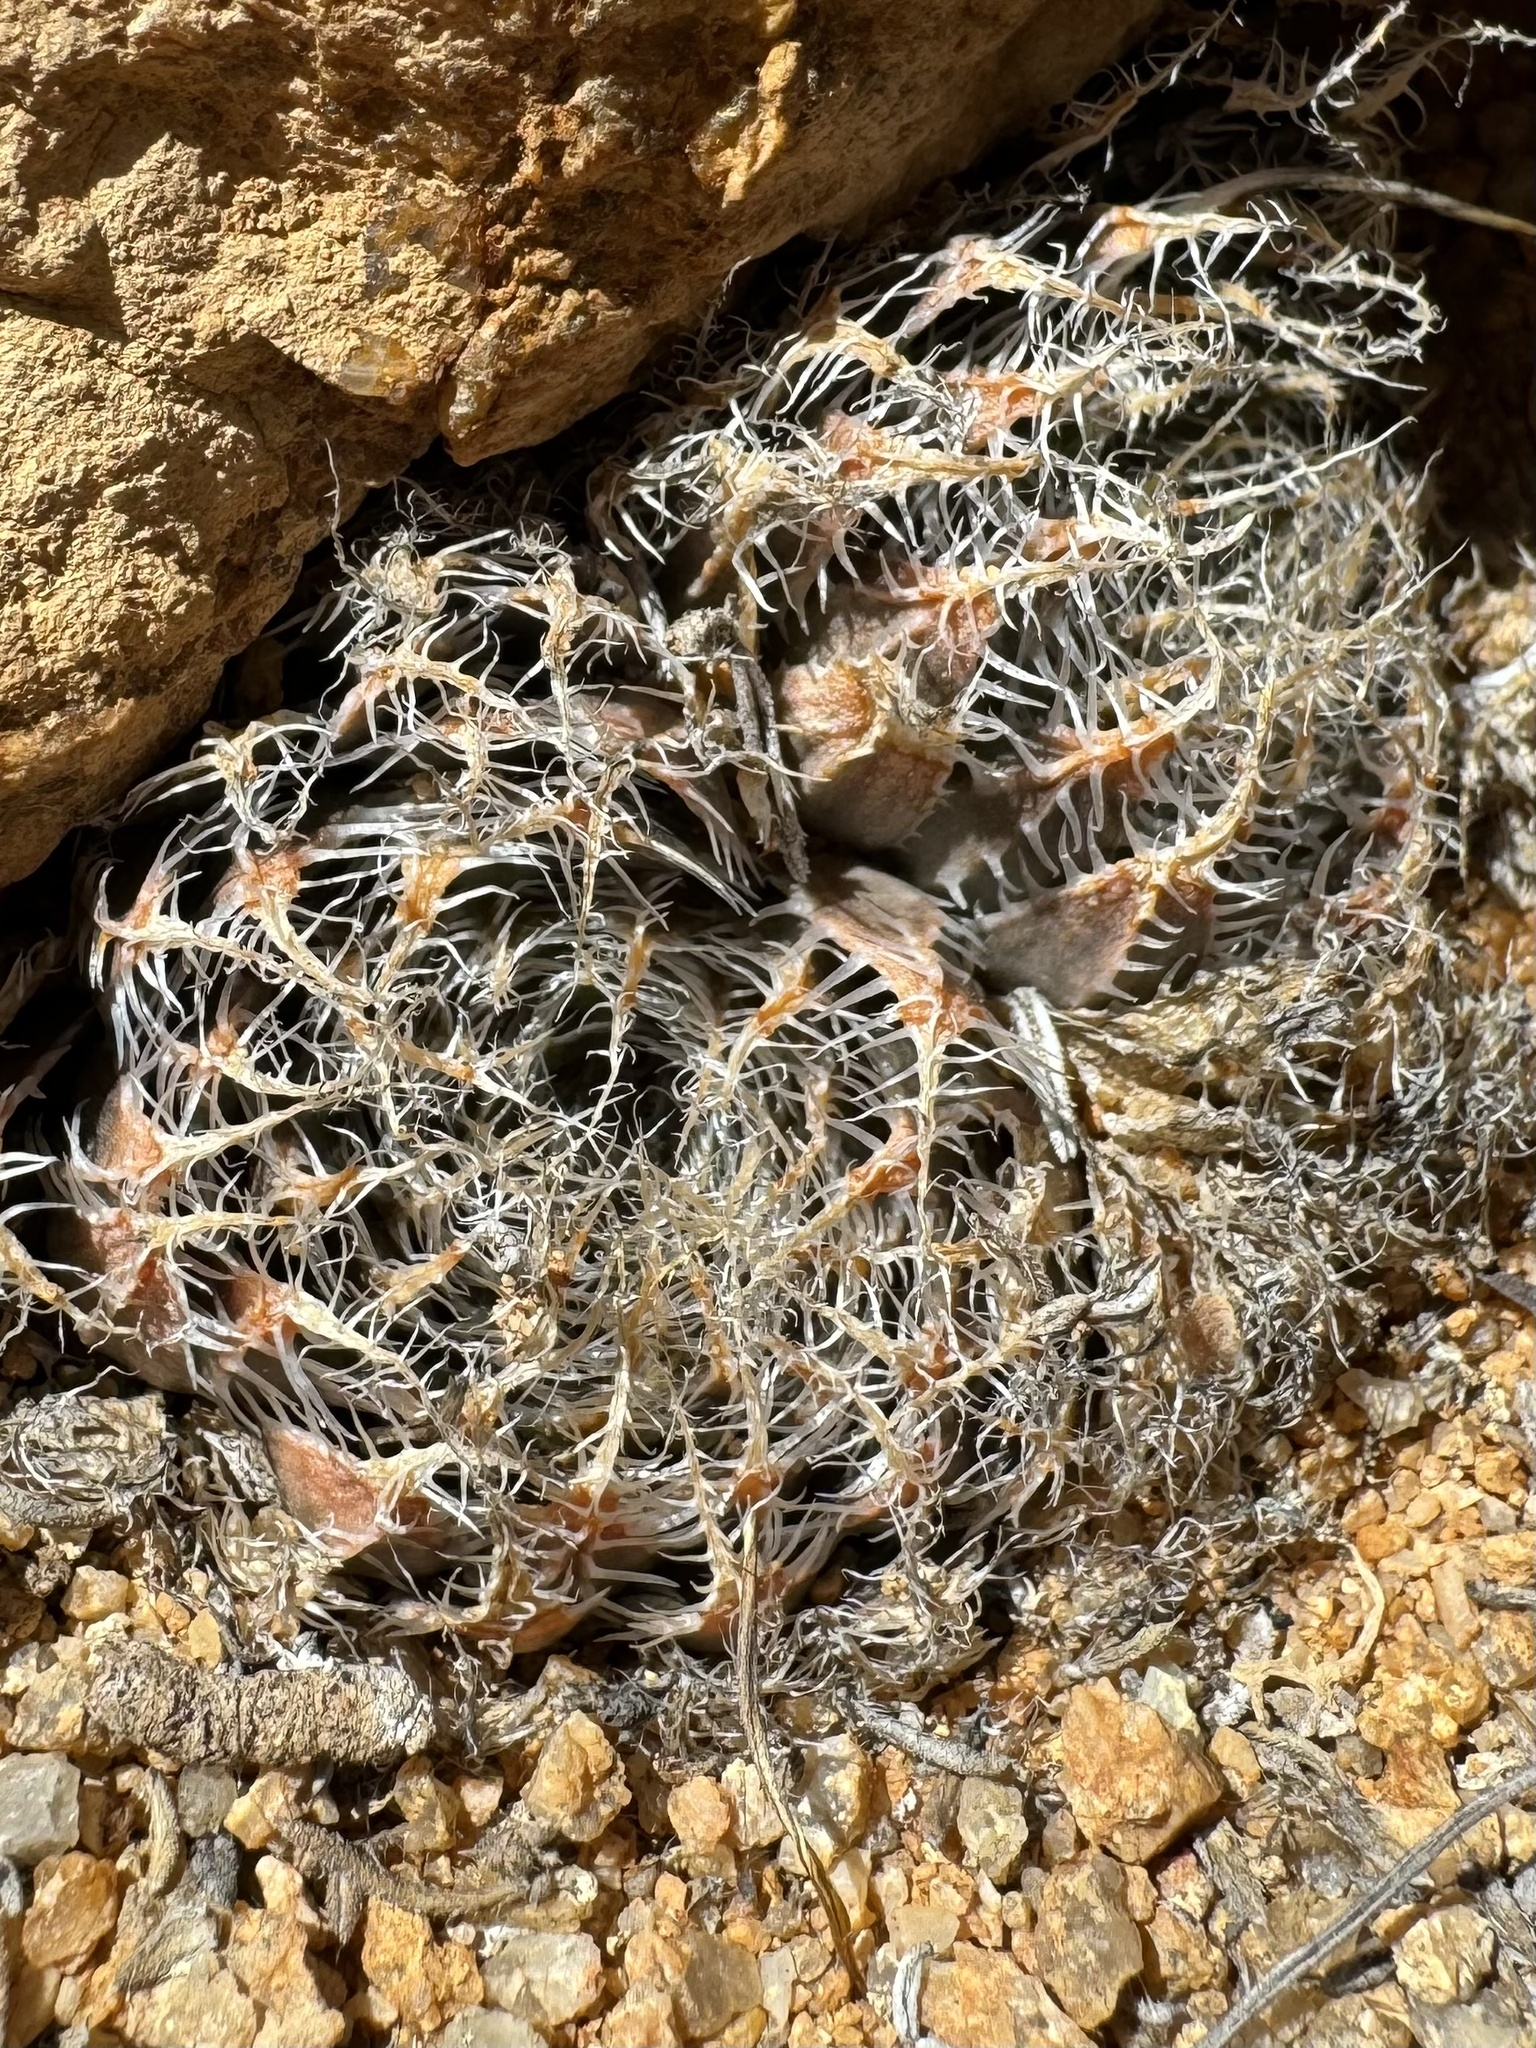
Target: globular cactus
(888,984)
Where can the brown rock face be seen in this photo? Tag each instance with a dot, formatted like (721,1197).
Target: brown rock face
(253,258)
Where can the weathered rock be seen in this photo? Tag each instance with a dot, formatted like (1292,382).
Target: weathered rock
(34,1995)
(1167,1693)
(427,1982)
(431,1810)
(545,1978)
(284,1893)
(1059,1838)
(833,1800)
(1492,2021)
(719,1981)
(202,2003)
(70,1914)
(1185,1959)
(1087,1946)
(39,1807)
(483,2028)
(1505,1651)
(256,258)
(916,1926)
(993,1830)
(92,1595)
(202,1641)
(1369,2019)
(258,1813)
(204,1795)
(641,2019)
(1415,1791)
(51,1712)
(1134,1784)
(701,1814)
(578,1785)
(1445,1957)
(269,1954)
(1440,1701)
(982,1999)
(1235,1755)
(755,1822)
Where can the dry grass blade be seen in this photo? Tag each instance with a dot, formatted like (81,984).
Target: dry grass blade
(1385,1892)
(755,1729)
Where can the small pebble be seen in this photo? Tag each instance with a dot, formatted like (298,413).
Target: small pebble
(548,1979)
(993,1830)
(578,1784)
(92,1595)
(720,1979)
(1445,1957)
(39,1807)
(204,1795)
(1087,1946)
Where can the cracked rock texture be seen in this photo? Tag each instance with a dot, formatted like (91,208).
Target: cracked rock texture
(255,256)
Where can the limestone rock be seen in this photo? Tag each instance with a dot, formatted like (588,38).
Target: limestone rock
(92,1595)
(1185,1959)
(254,259)
(432,1810)
(1362,2020)
(545,1978)
(984,2000)
(1087,1946)
(256,1815)
(913,1926)
(269,1954)
(1134,1784)
(643,2018)
(34,1997)
(1494,2020)
(1167,1692)
(836,1788)
(51,1712)
(701,1815)
(755,1819)
(1237,1758)
(39,1807)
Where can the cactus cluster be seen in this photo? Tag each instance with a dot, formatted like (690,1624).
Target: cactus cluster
(888,985)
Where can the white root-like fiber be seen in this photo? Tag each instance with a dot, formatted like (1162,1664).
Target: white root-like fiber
(888,984)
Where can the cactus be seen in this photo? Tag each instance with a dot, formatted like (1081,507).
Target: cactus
(890,984)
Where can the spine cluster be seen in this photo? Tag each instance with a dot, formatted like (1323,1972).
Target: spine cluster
(885,986)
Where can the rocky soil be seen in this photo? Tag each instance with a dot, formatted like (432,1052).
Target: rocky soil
(1052,1854)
